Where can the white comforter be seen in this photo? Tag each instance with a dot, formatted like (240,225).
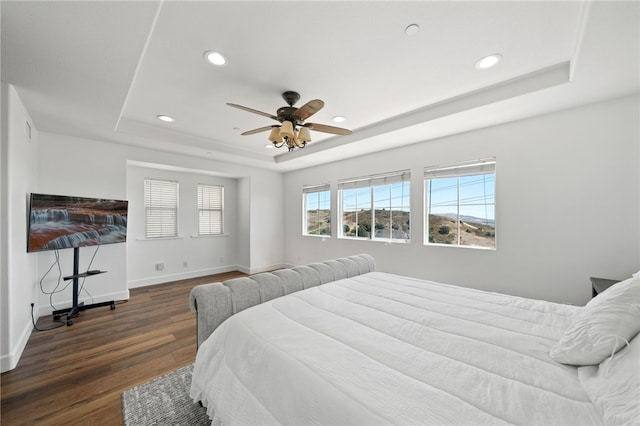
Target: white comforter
(384,349)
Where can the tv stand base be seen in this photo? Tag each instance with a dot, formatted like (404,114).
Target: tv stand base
(78,306)
(75,310)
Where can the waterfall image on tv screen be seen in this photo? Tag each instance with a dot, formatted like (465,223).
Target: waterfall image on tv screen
(58,222)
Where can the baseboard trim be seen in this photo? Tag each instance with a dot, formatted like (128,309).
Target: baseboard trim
(10,361)
(260,269)
(203,272)
(181,276)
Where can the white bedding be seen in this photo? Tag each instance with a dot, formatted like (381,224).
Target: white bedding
(384,349)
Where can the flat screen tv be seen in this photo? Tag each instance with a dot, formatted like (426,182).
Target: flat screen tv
(60,221)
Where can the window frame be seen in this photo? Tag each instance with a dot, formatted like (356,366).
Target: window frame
(476,168)
(315,189)
(370,184)
(166,203)
(217,207)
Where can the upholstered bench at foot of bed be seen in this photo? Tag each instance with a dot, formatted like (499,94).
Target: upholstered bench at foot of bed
(213,303)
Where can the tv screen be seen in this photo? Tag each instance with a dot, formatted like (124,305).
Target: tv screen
(59,222)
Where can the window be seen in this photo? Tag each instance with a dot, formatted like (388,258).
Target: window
(376,207)
(460,204)
(210,209)
(317,210)
(161,208)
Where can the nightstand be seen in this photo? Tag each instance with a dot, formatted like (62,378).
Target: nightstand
(598,285)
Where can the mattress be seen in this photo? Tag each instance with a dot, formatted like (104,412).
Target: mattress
(380,348)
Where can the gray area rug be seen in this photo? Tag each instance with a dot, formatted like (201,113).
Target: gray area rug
(163,401)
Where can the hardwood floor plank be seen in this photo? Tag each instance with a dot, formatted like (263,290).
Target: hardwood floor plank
(76,375)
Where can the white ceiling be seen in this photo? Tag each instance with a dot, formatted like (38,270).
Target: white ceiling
(105,70)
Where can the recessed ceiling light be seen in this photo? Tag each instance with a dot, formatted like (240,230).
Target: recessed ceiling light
(338,119)
(215,58)
(166,118)
(269,145)
(488,61)
(412,29)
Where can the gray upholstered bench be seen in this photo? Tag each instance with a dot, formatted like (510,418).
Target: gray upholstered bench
(213,303)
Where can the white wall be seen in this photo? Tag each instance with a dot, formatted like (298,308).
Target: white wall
(203,255)
(243,253)
(19,165)
(4,227)
(568,205)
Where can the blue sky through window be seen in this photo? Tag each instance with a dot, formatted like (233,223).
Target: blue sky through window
(320,200)
(476,196)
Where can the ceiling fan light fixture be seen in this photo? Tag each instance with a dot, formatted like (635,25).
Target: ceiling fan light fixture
(286,130)
(488,61)
(274,136)
(304,135)
(215,58)
(293,130)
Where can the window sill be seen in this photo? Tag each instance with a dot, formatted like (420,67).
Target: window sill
(179,237)
(316,236)
(376,240)
(462,247)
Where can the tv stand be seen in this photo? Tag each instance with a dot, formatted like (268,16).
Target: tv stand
(76,307)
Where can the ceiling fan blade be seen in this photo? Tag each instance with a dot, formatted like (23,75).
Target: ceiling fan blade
(261,129)
(328,129)
(308,109)
(255,111)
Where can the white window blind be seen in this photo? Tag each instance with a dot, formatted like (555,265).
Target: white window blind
(210,209)
(161,208)
(315,188)
(375,180)
(316,210)
(476,167)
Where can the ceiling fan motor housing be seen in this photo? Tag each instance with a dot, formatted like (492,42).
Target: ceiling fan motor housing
(286,114)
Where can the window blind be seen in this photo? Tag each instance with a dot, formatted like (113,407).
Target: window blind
(307,189)
(161,208)
(375,180)
(210,209)
(476,167)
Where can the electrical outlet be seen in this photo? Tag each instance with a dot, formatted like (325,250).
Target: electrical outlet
(160,266)
(221,259)
(185,264)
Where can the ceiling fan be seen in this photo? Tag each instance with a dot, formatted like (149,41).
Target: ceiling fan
(293,132)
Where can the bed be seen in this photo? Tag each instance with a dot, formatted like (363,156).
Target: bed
(371,348)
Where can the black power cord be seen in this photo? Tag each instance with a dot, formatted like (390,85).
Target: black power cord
(35,327)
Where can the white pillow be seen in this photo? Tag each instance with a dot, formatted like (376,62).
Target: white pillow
(602,326)
(614,385)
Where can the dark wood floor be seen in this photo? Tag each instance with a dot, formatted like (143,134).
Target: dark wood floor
(76,375)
